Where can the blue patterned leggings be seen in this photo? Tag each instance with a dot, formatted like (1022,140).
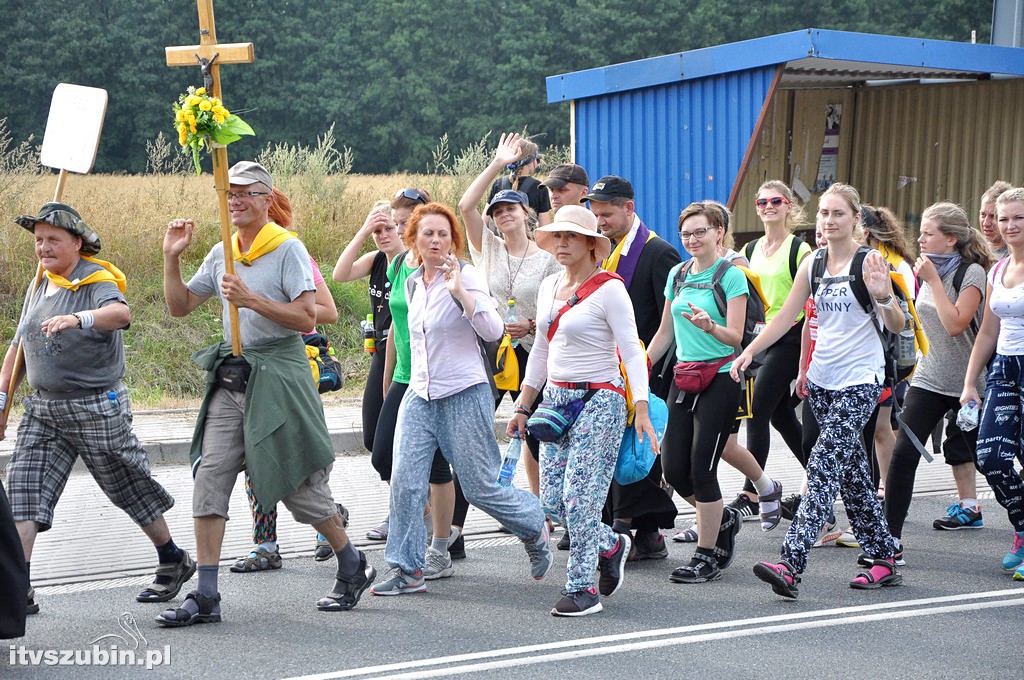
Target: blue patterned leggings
(839,464)
(575,474)
(1000,435)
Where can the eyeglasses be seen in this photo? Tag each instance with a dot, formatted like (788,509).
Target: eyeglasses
(412,195)
(775,202)
(245,194)
(696,233)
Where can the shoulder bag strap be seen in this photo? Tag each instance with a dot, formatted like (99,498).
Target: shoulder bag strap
(588,287)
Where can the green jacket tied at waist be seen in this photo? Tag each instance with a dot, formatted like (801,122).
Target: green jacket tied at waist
(284,430)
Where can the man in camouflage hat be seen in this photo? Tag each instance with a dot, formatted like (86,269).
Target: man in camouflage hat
(70,331)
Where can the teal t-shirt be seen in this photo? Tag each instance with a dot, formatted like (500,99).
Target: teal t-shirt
(398,272)
(693,344)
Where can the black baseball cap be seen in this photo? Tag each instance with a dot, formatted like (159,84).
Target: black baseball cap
(609,187)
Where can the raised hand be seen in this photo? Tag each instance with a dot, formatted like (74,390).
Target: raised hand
(178,236)
(876,275)
(509,148)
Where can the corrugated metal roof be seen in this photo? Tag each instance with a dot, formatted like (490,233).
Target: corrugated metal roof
(813,57)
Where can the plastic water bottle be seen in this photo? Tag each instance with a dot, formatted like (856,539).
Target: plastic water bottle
(967,416)
(906,354)
(508,464)
(512,317)
(369,335)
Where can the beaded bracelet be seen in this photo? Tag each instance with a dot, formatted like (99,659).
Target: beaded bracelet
(522,411)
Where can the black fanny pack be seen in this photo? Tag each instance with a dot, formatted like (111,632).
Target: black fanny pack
(233,374)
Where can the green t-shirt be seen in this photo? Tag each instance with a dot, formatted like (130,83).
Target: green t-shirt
(398,272)
(776,279)
(693,344)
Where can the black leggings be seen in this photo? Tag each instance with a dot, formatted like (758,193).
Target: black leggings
(698,429)
(373,395)
(922,411)
(771,402)
(384,440)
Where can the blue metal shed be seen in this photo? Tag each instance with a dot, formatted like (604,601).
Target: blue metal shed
(686,126)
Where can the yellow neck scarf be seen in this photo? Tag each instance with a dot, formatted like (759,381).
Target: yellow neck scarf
(108,273)
(612,263)
(270,237)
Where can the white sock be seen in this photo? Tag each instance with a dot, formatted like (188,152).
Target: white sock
(764,485)
(969,503)
(439,544)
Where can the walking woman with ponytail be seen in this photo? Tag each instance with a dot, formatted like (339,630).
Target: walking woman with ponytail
(952,272)
(843,385)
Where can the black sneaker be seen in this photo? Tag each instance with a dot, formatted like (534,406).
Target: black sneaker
(612,568)
(579,603)
(701,569)
(457,548)
(789,506)
(563,542)
(650,546)
(748,509)
(32,607)
(726,543)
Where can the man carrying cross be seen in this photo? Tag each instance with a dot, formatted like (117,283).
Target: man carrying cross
(261,409)
(74,359)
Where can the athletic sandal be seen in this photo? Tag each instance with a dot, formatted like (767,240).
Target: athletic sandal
(725,547)
(686,536)
(259,559)
(771,518)
(701,569)
(178,572)
(175,618)
(781,576)
(351,588)
(882,573)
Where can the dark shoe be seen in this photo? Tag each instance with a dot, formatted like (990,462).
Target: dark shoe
(771,518)
(748,509)
(701,569)
(865,561)
(726,543)
(178,572)
(352,588)
(789,506)
(539,552)
(958,517)
(650,546)
(259,559)
(578,604)
(563,542)
(882,573)
(457,548)
(209,612)
(323,551)
(781,576)
(612,568)
(32,606)
(343,511)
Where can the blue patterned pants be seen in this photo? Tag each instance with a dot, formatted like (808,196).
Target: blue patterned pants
(839,464)
(1000,435)
(575,474)
(462,426)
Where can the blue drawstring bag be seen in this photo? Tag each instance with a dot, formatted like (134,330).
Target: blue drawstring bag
(637,458)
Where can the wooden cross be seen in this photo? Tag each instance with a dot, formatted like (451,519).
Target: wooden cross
(210,55)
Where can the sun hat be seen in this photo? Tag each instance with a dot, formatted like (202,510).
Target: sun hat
(250,172)
(506,196)
(579,220)
(64,216)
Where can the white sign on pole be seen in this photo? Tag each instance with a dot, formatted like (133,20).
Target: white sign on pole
(73,127)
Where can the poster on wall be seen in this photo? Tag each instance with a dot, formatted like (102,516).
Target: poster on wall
(828,165)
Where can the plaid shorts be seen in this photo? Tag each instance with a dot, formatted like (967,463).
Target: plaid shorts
(54,432)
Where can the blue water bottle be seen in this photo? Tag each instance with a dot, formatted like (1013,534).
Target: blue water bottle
(508,464)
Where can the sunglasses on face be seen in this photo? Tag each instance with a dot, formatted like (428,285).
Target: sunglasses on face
(774,201)
(412,195)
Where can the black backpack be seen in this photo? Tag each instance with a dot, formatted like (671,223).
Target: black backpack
(794,253)
(756,306)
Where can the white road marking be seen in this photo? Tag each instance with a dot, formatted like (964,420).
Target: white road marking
(705,632)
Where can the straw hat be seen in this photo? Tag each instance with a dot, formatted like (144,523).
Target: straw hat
(579,220)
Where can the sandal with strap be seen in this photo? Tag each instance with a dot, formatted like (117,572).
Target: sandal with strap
(351,588)
(701,569)
(781,576)
(771,518)
(175,618)
(882,573)
(259,559)
(686,536)
(178,572)
(725,546)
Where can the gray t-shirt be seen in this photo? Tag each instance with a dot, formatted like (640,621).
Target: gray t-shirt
(281,275)
(74,359)
(942,370)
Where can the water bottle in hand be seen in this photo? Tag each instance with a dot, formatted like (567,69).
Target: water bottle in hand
(967,416)
(511,460)
(511,316)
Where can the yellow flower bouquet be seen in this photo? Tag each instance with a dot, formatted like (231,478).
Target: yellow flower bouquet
(202,120)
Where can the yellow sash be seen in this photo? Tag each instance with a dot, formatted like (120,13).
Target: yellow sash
(108,273)
(612,263)
(270,237)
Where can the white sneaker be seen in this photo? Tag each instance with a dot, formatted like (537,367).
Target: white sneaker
(438,565)
(848,540)
(827,535)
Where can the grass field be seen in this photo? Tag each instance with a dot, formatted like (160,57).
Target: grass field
(130,214)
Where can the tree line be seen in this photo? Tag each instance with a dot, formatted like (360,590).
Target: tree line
(392,76)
